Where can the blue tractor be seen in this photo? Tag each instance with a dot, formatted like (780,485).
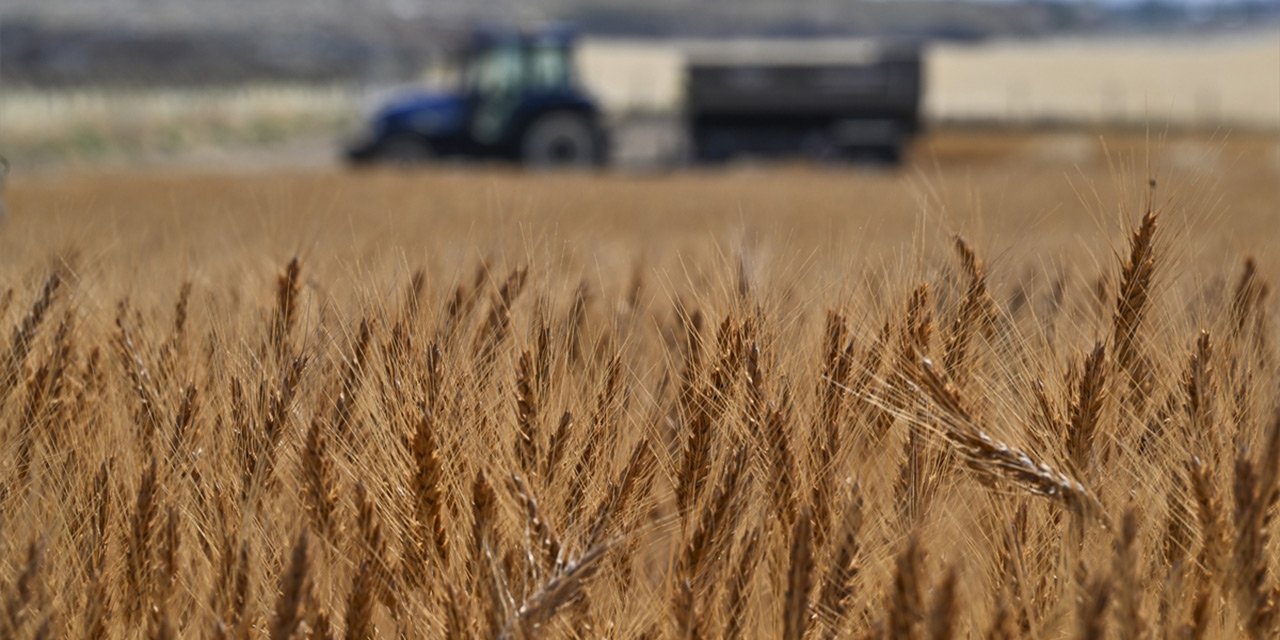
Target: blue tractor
(517,98)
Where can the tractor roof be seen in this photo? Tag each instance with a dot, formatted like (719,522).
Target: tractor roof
(551,36)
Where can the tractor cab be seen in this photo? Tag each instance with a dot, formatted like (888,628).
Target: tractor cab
(515,96)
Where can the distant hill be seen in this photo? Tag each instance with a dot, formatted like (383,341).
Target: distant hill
(630,16)
(112,42)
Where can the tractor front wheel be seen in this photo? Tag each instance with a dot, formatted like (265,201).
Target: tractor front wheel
(403,150)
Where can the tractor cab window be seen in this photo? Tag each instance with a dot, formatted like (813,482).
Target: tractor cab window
(510,69)
(496,71)
(549,68)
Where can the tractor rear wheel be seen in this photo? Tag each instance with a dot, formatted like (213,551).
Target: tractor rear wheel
(561,140)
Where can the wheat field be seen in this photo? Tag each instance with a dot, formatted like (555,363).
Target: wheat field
(999,394)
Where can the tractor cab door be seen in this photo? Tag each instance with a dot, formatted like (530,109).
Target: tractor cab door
(508,79)
(495,80)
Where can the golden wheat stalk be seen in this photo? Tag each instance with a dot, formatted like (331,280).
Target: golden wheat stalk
(994,458)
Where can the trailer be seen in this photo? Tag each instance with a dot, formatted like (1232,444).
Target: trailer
(825,102)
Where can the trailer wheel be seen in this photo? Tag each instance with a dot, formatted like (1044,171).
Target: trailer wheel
(889,155)
(819,148)
(561,140)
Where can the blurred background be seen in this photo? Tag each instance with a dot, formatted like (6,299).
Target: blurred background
(253,83)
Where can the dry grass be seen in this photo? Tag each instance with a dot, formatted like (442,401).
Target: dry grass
(759,403)
(52,126)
